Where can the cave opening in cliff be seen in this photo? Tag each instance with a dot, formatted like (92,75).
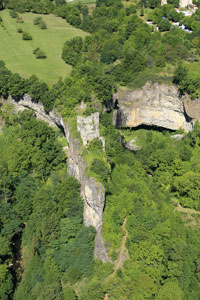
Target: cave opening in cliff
(150,128)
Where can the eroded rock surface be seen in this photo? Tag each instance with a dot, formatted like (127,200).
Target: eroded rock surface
(192,108)
(153,105)
(51,118)
(88,127)
(132,145)
(185,3)
(93,193)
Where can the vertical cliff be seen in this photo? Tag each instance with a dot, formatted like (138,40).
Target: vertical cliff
(152,105)
(92,192)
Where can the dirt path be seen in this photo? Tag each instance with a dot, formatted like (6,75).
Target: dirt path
(186,210)
(188,214)
(123,251)
(123,254)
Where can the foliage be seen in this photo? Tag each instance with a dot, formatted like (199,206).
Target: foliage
(72,50)
(164,25)
(100,168)
(39,53)
(39,21)
(26,36)
(40,202)
(13,14)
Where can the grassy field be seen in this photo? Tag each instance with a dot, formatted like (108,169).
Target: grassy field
(18,54)
(194,67)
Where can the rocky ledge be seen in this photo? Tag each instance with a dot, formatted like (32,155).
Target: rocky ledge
(153,105)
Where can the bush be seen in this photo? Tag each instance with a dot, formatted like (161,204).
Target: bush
(20,20)
(13,14)
(100,168)
(26,36)
(164,25)
(40,22)
(42,25)
(19,30)
(39,53)
(37,21)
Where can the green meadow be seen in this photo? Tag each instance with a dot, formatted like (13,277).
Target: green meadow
(18,54)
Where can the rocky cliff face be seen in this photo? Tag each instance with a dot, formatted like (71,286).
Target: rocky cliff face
(185,3)
(92,192)
(154,105)
(192,108)
(52,119)
(88,127)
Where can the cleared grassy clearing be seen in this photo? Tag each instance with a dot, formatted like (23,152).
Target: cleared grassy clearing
(18,54)
(193,67)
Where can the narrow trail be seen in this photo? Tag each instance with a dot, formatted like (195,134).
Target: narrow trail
(123,254)
(123,251)
(188,214)
(186,210)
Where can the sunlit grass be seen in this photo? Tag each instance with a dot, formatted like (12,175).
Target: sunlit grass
(18,54)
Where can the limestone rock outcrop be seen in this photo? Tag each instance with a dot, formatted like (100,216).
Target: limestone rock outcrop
(153,105)
(192,108)
(52,119)
(132,145)
(185,3)
(88,127)
(182,3)
(93,192)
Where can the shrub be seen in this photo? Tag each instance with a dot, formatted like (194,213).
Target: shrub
(39,53)
(42,25)
(100,168)
(20,20)
(19,30)
(164,25)
(37,21)
(40,22)
(13,14)
(26,36)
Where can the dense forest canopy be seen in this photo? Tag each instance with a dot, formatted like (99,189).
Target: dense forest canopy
(152,195)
